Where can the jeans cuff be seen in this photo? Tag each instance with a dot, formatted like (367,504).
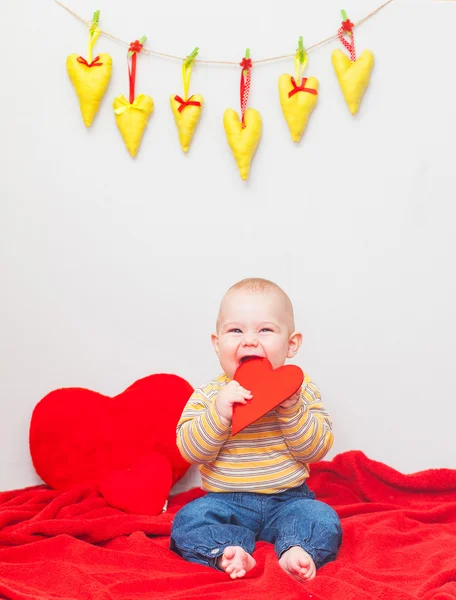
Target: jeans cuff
(202,557)
(213,555)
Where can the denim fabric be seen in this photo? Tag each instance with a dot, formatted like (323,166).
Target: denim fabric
(205,527)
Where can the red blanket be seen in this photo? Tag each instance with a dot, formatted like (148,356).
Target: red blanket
(399,544)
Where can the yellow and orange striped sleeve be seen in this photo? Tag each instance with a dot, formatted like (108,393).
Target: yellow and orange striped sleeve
(306,426)
(200,432)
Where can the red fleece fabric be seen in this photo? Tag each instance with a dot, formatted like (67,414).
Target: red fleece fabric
(399,544)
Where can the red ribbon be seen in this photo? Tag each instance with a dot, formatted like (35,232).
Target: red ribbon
(135,47)
(349,45)
(300,88)
(246,64)
(184,103)
(94,63)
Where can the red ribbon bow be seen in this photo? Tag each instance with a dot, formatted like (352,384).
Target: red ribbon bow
(94,63)
(246,63)
(300,88)
(347,26)
(135,46)
(184,103)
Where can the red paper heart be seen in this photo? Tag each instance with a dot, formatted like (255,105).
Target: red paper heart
(143,489)
(269,387)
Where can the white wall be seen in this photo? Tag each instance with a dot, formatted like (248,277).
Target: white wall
(112,269)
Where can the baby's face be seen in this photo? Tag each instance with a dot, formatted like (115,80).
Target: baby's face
(254,323)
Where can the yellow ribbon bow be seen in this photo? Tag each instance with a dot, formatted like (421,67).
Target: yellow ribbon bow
(126,105)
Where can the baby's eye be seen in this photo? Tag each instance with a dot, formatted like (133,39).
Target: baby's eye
(266,329)
(235,330)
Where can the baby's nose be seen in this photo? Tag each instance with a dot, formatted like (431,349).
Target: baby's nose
(249,340)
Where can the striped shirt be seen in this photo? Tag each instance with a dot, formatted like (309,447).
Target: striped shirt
(269,456)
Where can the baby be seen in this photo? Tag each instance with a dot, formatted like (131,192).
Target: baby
(256,480)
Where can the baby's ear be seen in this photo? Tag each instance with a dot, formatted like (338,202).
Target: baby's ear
(294,343)
(215,342)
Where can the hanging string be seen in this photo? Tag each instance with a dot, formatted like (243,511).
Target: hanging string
(221,62)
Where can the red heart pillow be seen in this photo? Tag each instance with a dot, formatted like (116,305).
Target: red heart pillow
(78,436)
(269,387)
(142,489)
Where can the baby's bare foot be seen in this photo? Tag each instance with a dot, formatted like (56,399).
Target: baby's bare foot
(297,563)
(236,562)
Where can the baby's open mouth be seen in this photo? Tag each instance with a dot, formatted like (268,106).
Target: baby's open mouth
(250,357)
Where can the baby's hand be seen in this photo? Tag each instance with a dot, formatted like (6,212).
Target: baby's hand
(232,393)
(291,401)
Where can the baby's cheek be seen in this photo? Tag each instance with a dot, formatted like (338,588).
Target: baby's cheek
(277,356)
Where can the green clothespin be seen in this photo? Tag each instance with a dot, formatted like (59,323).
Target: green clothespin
(300,50)
(95,19)
(247,55)
(191,57)
(300,59)
(141,41)
(301,54)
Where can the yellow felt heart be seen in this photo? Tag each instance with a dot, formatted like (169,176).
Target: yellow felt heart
(187,119)
(90,83)
(243,141)
(353,76)
(132,119)
(297,106)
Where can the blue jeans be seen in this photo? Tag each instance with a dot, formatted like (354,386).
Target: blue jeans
(205,527)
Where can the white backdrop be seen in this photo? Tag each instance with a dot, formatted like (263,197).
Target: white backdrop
(112,268)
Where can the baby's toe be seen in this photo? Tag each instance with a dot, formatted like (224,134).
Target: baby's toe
(304,562)
(309,573)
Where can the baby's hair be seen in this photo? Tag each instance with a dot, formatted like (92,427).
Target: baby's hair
(255,284)
(258,284)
